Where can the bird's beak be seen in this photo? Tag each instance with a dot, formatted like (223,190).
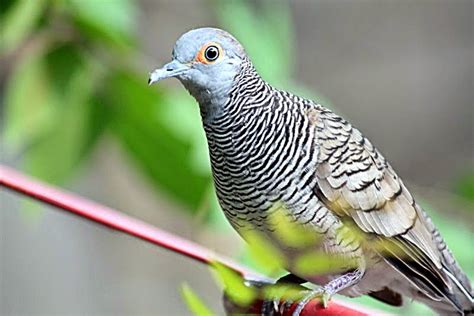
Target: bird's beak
(171,69)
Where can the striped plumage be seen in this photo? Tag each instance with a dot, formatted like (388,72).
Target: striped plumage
(255,152)
(269,146)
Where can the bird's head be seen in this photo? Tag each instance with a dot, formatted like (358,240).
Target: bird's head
(206,61)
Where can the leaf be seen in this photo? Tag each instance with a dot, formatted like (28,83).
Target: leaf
(289,232)
(284,292)
(39,92)
(180,114)
(194,303)
(63,62)
(234,285)
(465,186)
(319,263)
(137,121)
(267,256)
(97,119)
(110,22)
(19,22)
(5,6)
(57,153)
(30,103)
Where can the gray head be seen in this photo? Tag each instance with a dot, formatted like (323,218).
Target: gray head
(206,61)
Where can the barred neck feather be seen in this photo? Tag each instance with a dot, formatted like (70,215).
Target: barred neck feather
(248,91)
(260,146)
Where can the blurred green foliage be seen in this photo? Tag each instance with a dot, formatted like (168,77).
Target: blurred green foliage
(194,303)
(72,78)
(465,186)
(233,284)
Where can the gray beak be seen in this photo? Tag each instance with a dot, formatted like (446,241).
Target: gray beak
(171,69)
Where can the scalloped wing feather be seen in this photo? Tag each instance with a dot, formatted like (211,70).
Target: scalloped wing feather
(355,181)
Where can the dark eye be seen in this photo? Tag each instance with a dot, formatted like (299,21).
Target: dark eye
(211,53)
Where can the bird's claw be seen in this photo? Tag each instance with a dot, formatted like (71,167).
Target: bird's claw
(278,300)
(325,298)
(322,293)
(274,307)
(277,307)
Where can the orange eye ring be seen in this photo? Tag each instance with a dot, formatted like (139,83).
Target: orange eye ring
(209,53)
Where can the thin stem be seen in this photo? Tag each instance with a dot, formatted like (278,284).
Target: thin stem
(111,218)
(116,220)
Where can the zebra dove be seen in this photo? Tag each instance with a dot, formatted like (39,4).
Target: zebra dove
(269,146)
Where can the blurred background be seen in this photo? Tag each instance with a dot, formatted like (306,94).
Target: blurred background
(76,112)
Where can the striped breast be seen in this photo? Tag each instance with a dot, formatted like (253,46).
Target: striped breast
(262,152)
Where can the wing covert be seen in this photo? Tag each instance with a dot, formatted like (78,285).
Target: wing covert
(356,180)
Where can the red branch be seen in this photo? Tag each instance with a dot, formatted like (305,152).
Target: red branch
(116,220)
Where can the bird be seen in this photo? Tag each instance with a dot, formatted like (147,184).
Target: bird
(269,146)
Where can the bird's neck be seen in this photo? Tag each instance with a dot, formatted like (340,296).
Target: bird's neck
(226,106)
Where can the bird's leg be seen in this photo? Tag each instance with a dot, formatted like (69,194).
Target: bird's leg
(331,288)
(271,306)
(274,306)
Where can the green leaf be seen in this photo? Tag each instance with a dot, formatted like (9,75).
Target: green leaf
(262,251)
(5,6)
(30,103)
(180,115)
(57,153)
(194,303)
(40,92)
(97,119)
(165,157)
(289,232)
(19,22)
(318,263)
(465,186)
(234,285)
(63,62)
(286,292)
(106,21)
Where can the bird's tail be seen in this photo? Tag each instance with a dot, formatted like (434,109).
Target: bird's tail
(446,307)
(461,298)
(457,300)
(462,289)
(448,291)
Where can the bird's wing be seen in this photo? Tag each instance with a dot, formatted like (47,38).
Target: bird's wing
(357,183)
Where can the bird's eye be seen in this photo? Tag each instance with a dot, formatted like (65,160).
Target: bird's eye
(211,53)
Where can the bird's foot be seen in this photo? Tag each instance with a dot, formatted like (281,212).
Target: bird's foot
(279,298)
(280,295)
(274,307)
(326,292)
(323,293)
